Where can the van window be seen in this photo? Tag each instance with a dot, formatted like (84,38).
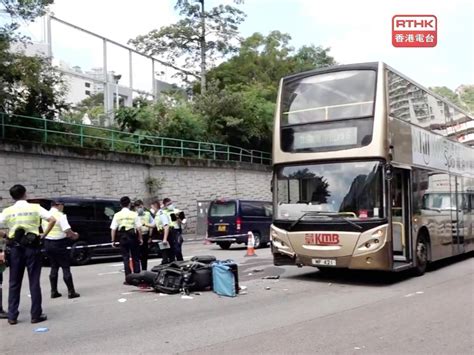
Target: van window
(106,210)
(252,209)
(222,209)
(81,210)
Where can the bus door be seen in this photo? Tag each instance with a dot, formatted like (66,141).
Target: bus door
(400,209)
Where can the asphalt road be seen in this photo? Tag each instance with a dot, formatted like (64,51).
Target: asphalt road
(302,312)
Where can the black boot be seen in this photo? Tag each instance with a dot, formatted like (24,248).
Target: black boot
(70,287)
(54,286)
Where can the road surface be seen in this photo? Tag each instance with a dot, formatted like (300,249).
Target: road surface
(304,311)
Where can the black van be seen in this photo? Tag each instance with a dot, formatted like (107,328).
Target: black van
(229,221)
(91,218)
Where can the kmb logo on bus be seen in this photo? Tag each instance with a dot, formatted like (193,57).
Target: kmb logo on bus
(321,239)
(414,31)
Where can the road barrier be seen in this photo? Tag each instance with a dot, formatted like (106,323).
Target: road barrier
(20,128)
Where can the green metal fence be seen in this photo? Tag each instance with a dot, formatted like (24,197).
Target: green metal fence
(39,130)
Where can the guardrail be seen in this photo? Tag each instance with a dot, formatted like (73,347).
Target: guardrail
(40,130)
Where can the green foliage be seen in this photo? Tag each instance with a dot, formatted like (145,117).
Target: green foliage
(447,93)
(28,85)
(264,60)
(467,97)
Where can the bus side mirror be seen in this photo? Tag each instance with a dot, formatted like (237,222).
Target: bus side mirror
(388,171)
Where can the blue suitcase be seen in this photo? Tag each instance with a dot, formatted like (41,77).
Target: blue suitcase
(225,278)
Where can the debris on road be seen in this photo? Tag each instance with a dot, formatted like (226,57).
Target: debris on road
(276,277)
(122,300)
(249,274)
(186,297)
(267,288)
(257,270)
(41,330)
(242,288)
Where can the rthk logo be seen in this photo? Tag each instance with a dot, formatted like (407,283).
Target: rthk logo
(414,31)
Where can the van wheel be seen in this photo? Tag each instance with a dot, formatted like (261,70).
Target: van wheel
(421,255)
(80,253)
(257,240)
(224,245)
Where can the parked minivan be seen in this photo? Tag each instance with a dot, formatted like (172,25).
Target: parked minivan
(91,218)
(229,221)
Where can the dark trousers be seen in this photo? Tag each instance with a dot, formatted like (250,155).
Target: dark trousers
(59,257)
(144,251)
(178,245)
(169,255)
(129,246)
(1,291)
(21,258)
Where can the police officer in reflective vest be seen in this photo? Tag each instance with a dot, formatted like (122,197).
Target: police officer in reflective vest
(126,226)
(174,232)
(56,243)
(145,220)
(23,221)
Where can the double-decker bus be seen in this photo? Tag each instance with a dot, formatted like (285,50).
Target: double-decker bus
(369,172)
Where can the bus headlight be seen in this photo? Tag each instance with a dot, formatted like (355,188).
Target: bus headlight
(279,240)
(371,241)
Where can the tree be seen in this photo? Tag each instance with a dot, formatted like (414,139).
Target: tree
(264,60)
(28,85)
(185,45)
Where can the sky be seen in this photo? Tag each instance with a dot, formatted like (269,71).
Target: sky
(356,31)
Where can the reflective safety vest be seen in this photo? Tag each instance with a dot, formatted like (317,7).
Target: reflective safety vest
(158,222)
(172,224)
(56,232)
(145,218)
(126,219)
(26,216)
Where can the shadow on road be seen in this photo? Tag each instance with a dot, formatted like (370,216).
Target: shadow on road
(372,278)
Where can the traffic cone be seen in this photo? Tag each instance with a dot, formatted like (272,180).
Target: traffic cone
(250,245)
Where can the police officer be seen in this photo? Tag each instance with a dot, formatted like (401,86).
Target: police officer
(169,210)
(178,222)
(126,226)
(162,224)
(3,314)
(145,220)
(56,243)
(23,221)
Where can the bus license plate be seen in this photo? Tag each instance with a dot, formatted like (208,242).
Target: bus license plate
(221,228)
(324,262)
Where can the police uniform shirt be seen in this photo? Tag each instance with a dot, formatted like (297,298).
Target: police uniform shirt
(145,218)
(161,220)
(62,225)
(116,221)
(22,215)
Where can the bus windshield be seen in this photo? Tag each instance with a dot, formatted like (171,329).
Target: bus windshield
(322,97)
(353,190)
(327,112)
